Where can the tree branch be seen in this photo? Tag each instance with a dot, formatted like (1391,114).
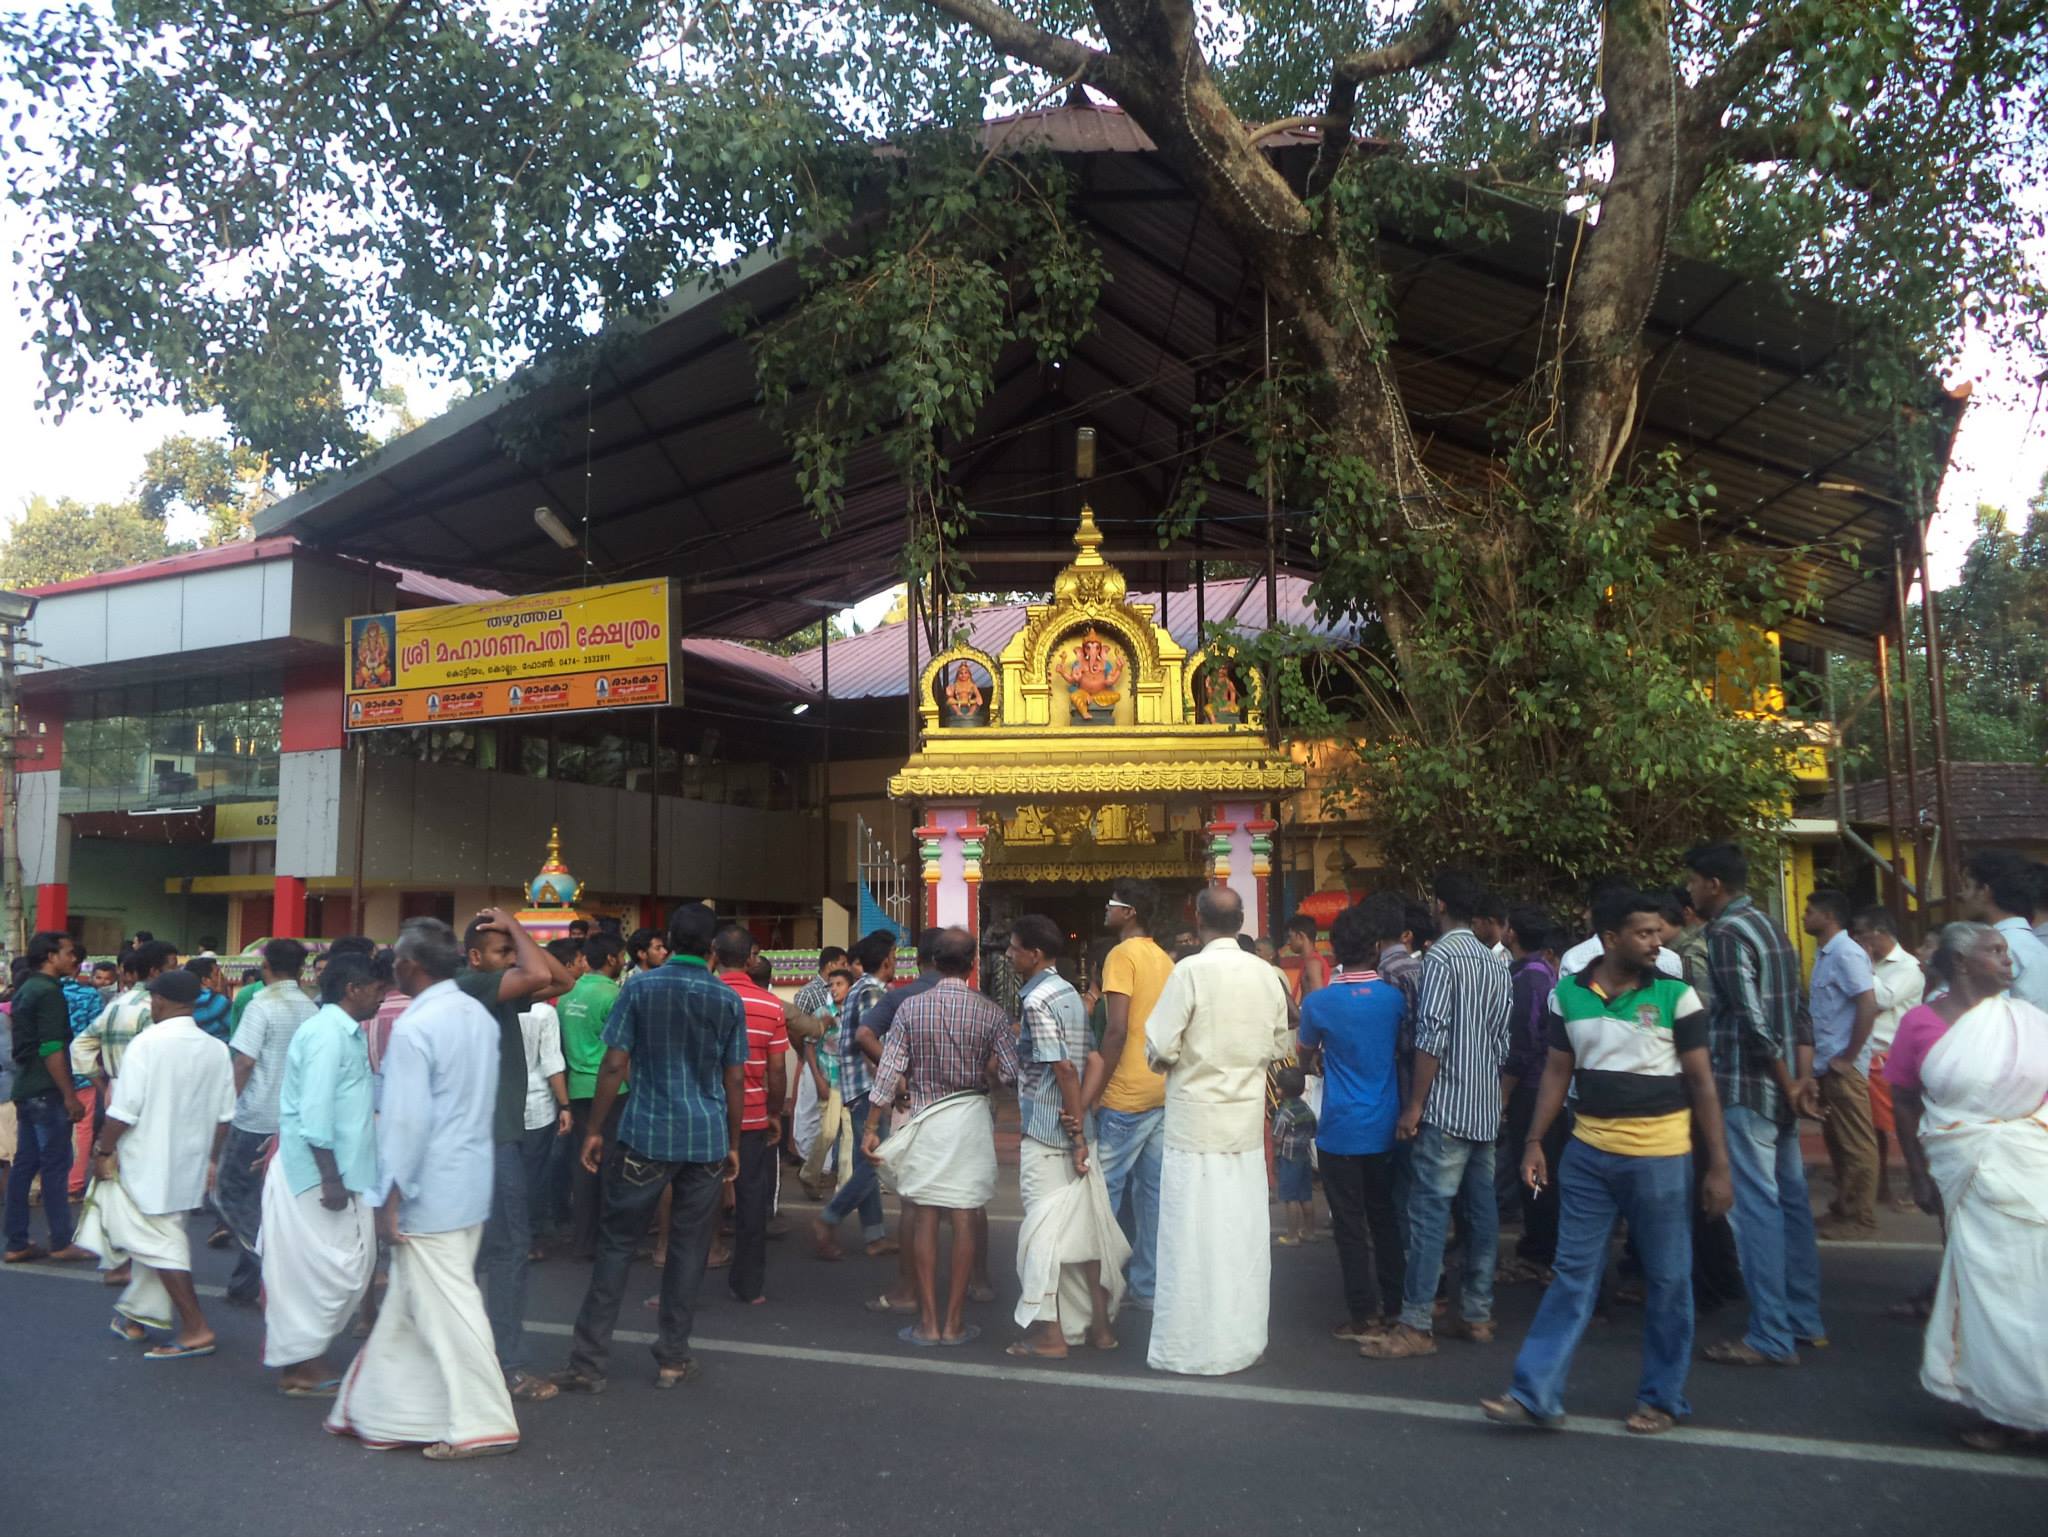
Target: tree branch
(1428,35)
(1762,143)
(1749,59)
(1025,41)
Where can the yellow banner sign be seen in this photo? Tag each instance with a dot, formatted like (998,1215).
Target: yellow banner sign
(596,648)
(245,822)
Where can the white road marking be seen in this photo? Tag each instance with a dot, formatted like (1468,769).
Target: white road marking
(1879,1452)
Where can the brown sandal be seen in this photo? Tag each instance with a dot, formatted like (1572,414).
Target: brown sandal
(1512,1411)
(1742,1353)
(1649,1420)
(1400,1343)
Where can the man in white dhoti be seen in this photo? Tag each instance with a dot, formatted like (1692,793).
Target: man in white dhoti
(1220,1019)
(319,1240)
(428,1375)
(167,1118)
(1070,1251)
(1983,1131)
(937,1061)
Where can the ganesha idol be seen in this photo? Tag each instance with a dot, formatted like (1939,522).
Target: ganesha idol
(1094,673)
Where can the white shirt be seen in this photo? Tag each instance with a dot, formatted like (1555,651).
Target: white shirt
(265,1038)
(1589,950)
(434,1125)
(542,1028)
(176,1087)
(1220,1019)
(1900,985)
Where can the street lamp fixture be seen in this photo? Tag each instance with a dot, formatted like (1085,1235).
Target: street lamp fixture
(17,607)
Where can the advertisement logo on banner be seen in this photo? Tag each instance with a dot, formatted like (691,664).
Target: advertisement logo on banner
(595,648)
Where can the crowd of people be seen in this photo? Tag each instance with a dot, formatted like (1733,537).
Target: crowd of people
(1628,1088)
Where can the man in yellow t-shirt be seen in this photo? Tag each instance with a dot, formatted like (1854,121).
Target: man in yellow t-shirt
(1131,1125)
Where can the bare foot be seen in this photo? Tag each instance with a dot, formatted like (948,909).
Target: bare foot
(1101,1339)
(882,1246)
(823,1244)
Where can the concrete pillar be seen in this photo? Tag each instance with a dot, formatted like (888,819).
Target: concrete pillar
(950,844)
(1241,857)
(45,835)
(288,907)
(308,790)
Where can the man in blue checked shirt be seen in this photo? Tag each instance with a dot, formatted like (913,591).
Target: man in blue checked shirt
(683,1035)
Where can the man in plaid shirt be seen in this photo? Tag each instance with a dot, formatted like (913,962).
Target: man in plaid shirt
(1760,1038)
(874,959)
(96,1051)
(935,1067)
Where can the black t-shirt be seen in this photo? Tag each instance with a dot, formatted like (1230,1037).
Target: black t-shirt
(508,1115)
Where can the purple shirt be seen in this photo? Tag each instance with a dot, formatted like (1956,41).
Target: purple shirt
(1528,1027)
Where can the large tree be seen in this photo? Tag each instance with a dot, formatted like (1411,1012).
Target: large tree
(245,204)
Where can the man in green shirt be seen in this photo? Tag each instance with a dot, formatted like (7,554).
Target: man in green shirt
(46,1104)
(584,1013)
(509,972)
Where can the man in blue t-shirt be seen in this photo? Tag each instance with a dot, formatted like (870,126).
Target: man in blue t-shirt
(1354,1023)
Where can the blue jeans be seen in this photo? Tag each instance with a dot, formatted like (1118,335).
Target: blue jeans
(43,1147)
(862,1188)
(1773,1224)
(632,1190)
(502,1259)
(1655,1195)
(1447,1168)
(1129,1145)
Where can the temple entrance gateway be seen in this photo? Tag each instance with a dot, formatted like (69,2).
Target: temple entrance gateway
(1096,746)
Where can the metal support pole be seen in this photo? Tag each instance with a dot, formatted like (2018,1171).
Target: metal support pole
(1891,784)
(913,597)
(1908,726)
(654,812)
(355,880)
(1937,707)
(16,938)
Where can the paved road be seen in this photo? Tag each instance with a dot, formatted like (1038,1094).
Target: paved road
(810,1418)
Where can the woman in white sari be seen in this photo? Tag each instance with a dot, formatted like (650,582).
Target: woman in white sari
(1984,1135)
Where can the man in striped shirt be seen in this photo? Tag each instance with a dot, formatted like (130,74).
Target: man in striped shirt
(1463,1001)
(1760,1037)
(760,1119)
(875,957)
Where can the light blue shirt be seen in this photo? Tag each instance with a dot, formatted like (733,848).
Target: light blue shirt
(325,1101)
(1841,975)
(2029,961)
(434,1129)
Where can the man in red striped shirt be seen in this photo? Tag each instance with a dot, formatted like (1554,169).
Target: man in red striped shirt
(761,1121)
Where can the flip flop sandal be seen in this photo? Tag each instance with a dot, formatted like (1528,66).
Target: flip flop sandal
(967,1336)
(981,1294)
(120,1332)
(1742,1353)
(529,1389)
(576,1382)
(669,1377)
(327,1389)
(26,1256)
(176,1352)
(1648,1420)
(1511,1411)
(1024,1352)
(882,1304)
(1106,1349)
(442,1451)
(908,1335)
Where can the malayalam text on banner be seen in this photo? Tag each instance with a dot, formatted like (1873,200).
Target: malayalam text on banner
(594,648)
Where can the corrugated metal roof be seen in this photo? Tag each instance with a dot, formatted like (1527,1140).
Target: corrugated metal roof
(1991,804)
(875,664)
(687,479)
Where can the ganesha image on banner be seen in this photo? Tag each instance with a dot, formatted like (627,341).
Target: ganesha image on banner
(1095,674)
(371,651)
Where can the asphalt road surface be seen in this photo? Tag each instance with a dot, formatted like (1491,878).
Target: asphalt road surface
(811,1419)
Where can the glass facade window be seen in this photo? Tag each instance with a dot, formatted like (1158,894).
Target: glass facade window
(183,742)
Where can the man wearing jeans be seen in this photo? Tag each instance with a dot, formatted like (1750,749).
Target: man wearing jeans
(46,1104)
(1131,1126)
(876,957)
(683,1035)
(1635,1045)
(1842,1002)
(1463,1001)
(1760,1039)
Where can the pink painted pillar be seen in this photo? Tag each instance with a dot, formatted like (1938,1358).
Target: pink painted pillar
(950,845)
(1240,857)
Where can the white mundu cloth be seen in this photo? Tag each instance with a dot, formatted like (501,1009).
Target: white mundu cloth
(945,1155)
(1067,1224)
(176,1088)
(1985,1129)
(317,1266)
(1221,1018)
(429,1371)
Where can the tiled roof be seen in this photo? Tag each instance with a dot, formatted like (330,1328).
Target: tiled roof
(1989,803)
(875,665)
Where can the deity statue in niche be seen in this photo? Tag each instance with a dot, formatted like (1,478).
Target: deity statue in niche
(1218,696)
(1095,673)
(964,697)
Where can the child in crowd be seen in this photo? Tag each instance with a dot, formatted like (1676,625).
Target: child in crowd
(1294,1133)
(821,1060)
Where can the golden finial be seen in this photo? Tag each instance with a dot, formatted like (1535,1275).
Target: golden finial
(1088,539)
(554,860)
